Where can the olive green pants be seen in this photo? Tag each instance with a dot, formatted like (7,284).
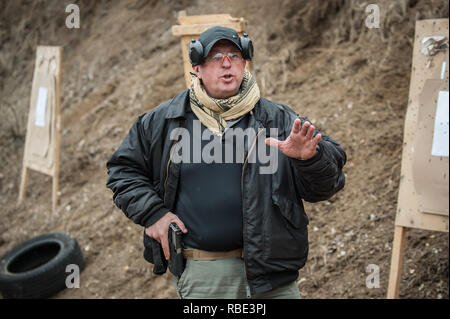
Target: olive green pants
(223,279)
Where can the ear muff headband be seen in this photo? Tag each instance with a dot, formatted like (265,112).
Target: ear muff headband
(196,50)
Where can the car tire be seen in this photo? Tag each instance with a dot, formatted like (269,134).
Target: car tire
(37,268)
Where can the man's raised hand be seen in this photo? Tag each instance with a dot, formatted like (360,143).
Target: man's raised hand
(300,143)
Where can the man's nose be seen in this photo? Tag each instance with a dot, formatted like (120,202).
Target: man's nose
(226,61)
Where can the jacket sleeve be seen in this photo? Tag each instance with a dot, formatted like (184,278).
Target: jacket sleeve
(321,176)
(130,176)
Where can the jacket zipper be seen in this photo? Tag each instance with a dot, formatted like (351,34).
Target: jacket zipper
(167,176)
(242,195)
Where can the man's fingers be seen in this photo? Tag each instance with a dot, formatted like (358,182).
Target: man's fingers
(305,128)
(165,247)
(181,225)
(172,218)
(296,127)
(310,132)
(272,142)
(317,138)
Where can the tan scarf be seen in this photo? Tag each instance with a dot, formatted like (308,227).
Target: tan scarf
(215,113)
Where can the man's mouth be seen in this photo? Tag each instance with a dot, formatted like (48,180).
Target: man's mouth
(227,77)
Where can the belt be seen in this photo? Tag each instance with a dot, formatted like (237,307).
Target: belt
(197,254)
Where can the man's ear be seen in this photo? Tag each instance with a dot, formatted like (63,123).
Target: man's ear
(197,70)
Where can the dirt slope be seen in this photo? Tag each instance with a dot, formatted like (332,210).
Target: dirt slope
(317,57)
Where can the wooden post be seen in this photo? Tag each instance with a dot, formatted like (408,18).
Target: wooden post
(55,188)
(55,192)
(398,248)
(23,184)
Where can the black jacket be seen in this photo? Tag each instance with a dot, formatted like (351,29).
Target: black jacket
(144,182)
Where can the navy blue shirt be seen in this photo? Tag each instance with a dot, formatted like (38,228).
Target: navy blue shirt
(209,194)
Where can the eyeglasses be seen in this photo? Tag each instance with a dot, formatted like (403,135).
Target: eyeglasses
(220,57)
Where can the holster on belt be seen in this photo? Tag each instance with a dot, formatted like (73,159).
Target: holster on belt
(153,253)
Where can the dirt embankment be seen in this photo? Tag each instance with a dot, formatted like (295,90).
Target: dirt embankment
(317,57)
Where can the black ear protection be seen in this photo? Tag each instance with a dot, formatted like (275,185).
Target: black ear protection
(247,47)
(196,50)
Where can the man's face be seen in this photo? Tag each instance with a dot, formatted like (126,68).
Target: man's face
(222,78)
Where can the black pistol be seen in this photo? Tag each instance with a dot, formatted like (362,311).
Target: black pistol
(176,261)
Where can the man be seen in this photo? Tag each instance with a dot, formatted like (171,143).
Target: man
(244,230)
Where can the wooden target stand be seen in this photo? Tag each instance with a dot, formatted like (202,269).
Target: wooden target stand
(42,142)
(190,27)
(423,201)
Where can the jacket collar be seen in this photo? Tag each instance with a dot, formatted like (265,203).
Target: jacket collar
(177,106)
